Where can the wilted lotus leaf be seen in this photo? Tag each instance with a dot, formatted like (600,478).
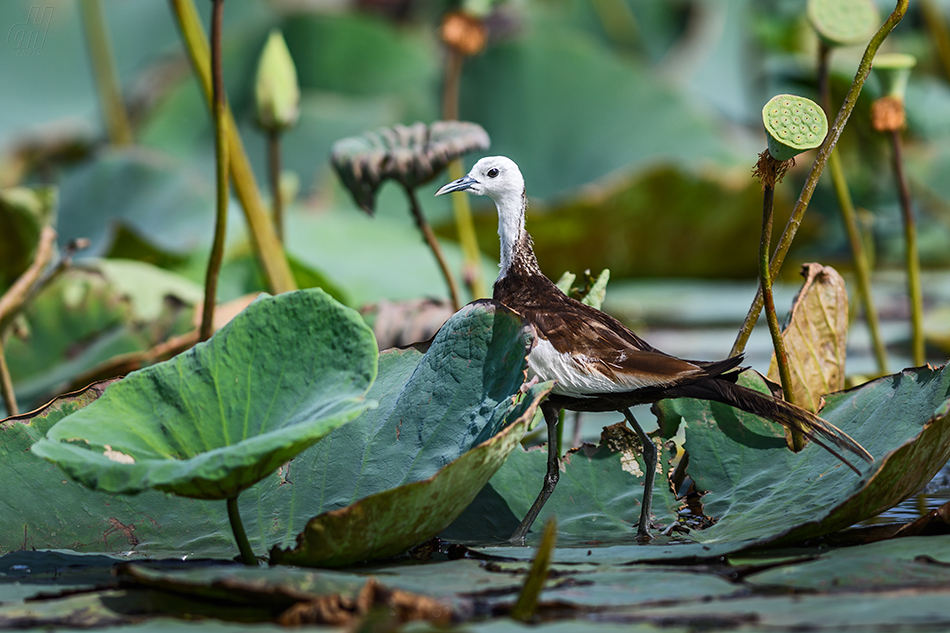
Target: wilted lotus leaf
(411,155)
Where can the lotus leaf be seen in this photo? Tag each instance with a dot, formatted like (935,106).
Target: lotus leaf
(217,419)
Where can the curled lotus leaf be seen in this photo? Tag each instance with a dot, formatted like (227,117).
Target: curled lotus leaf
(220,417)
(411,155)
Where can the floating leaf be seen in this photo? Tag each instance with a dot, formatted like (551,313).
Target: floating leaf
(816,336)
(390,522)
(902,562)
(597,497)
(411,155)
(758,489)
(215,420)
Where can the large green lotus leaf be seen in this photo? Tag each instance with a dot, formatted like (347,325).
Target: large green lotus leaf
(478,354)
(901,562)
(433,408)
(597,497)
(213,421)
(758,489)
(92,313)
(390,522)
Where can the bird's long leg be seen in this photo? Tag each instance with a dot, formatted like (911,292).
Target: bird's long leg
(649,475)
(550,412)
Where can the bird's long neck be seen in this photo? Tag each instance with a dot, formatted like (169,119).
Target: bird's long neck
(517,253)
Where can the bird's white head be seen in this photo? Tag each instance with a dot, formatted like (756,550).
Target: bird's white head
(499,178)
(495,176)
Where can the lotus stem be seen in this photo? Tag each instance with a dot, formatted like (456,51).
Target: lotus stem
(219,104)
(797,440)
(6,384)
(269,251)
(274,169)
(911,254)
(778,257)
(234,516)
(103,68)
(433,245)
(527,603)
(859,258)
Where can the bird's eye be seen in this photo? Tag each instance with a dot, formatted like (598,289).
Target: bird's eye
(493,172)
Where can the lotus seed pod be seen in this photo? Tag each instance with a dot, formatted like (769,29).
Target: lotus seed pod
(893,71)
(844,22)
(277,91)
(794,124)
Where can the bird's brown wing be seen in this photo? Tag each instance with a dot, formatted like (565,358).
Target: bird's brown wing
(601,343)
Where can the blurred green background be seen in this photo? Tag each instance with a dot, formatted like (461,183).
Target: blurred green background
(635,122)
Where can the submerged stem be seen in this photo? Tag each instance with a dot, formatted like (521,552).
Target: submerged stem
(221,173)
(433,245)
(912,257)
(244,546)
(864,69)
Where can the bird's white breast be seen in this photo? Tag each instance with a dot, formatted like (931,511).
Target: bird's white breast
(577,375)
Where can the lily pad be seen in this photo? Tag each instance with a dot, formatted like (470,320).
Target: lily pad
(757,489)
(217,419)
(597,498)
(390,522)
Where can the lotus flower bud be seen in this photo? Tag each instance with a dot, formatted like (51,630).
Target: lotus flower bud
(277,91)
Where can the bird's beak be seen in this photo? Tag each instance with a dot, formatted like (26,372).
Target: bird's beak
(461,184)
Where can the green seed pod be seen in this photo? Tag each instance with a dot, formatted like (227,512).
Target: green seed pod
(893,71)
(794,124)
(844,22)
(277,91)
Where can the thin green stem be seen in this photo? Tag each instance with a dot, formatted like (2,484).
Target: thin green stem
(237,527)
(221,173)
(912,256)
(526,606)
(269,251)
(864,69)
(433,245)
(103,67)
(859,258)
(274,169)
(6,384)
(765,285)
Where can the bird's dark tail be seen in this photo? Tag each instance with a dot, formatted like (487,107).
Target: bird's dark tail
(822,433)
